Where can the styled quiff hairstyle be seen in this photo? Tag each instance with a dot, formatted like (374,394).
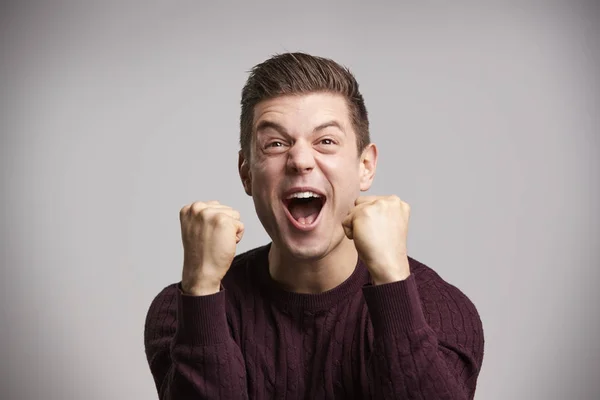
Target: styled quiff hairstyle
(295,74)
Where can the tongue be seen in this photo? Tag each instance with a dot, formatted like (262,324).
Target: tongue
(305,213)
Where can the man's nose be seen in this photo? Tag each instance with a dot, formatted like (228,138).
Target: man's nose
(301,158)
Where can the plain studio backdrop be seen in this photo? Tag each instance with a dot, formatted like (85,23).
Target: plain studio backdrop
(114,115)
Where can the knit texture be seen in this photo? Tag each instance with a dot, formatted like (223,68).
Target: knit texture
(420,338)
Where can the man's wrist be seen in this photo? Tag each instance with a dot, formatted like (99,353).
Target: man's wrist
(200,289)
(390,278)
(390,273)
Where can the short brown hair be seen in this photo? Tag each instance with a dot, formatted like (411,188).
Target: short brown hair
(301,73)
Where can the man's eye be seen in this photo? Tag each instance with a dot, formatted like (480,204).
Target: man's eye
(327,141)
(275,144)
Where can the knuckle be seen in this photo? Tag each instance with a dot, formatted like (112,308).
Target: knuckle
(183,211)
(369,210)
(205,214)
(197,207)
(200,208)
(221,218)
(379,203)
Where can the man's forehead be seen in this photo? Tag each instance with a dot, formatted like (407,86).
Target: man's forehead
(311,109)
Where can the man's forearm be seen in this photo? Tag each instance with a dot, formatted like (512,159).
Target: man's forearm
(193,356)
(408,356)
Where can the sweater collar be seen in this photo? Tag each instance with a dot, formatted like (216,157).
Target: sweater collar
(305,302)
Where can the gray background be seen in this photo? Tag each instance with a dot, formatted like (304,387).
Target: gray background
(116,114)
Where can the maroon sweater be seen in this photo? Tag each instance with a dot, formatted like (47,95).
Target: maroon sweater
(420,338)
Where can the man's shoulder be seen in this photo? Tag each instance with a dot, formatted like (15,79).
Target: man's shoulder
(244,267)
(423,273)
(449,312)
(249,257)
(433,288)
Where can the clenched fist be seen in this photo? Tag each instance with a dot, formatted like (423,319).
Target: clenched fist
(378,225)
(210,232)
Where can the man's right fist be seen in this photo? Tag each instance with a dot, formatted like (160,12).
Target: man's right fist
(210,232)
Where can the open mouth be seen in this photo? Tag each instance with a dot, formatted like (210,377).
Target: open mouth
(304,207)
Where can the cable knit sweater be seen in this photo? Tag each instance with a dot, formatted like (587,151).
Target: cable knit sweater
(420,338)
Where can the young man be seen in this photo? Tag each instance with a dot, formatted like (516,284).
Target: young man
(333,307)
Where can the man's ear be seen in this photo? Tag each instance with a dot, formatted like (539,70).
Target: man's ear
(368,165)
(244,171)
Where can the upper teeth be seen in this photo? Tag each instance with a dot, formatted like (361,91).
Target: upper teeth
(303,195)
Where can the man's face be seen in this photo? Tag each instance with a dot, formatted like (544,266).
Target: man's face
(305,172)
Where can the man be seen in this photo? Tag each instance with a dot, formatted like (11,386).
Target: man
(333,306)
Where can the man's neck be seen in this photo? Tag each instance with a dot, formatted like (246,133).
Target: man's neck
(313,276)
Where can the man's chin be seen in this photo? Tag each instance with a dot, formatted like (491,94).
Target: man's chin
(305,248)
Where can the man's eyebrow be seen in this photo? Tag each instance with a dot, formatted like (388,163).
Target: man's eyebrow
(266,124)
(329,124)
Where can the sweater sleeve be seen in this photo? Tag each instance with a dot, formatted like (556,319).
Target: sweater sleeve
(427,342)
(189,347)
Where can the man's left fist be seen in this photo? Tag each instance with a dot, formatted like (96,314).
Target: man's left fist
(379,226)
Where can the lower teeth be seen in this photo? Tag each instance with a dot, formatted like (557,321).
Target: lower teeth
(306,220)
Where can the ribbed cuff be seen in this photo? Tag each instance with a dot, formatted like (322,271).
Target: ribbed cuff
(201,319)
(395,307)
